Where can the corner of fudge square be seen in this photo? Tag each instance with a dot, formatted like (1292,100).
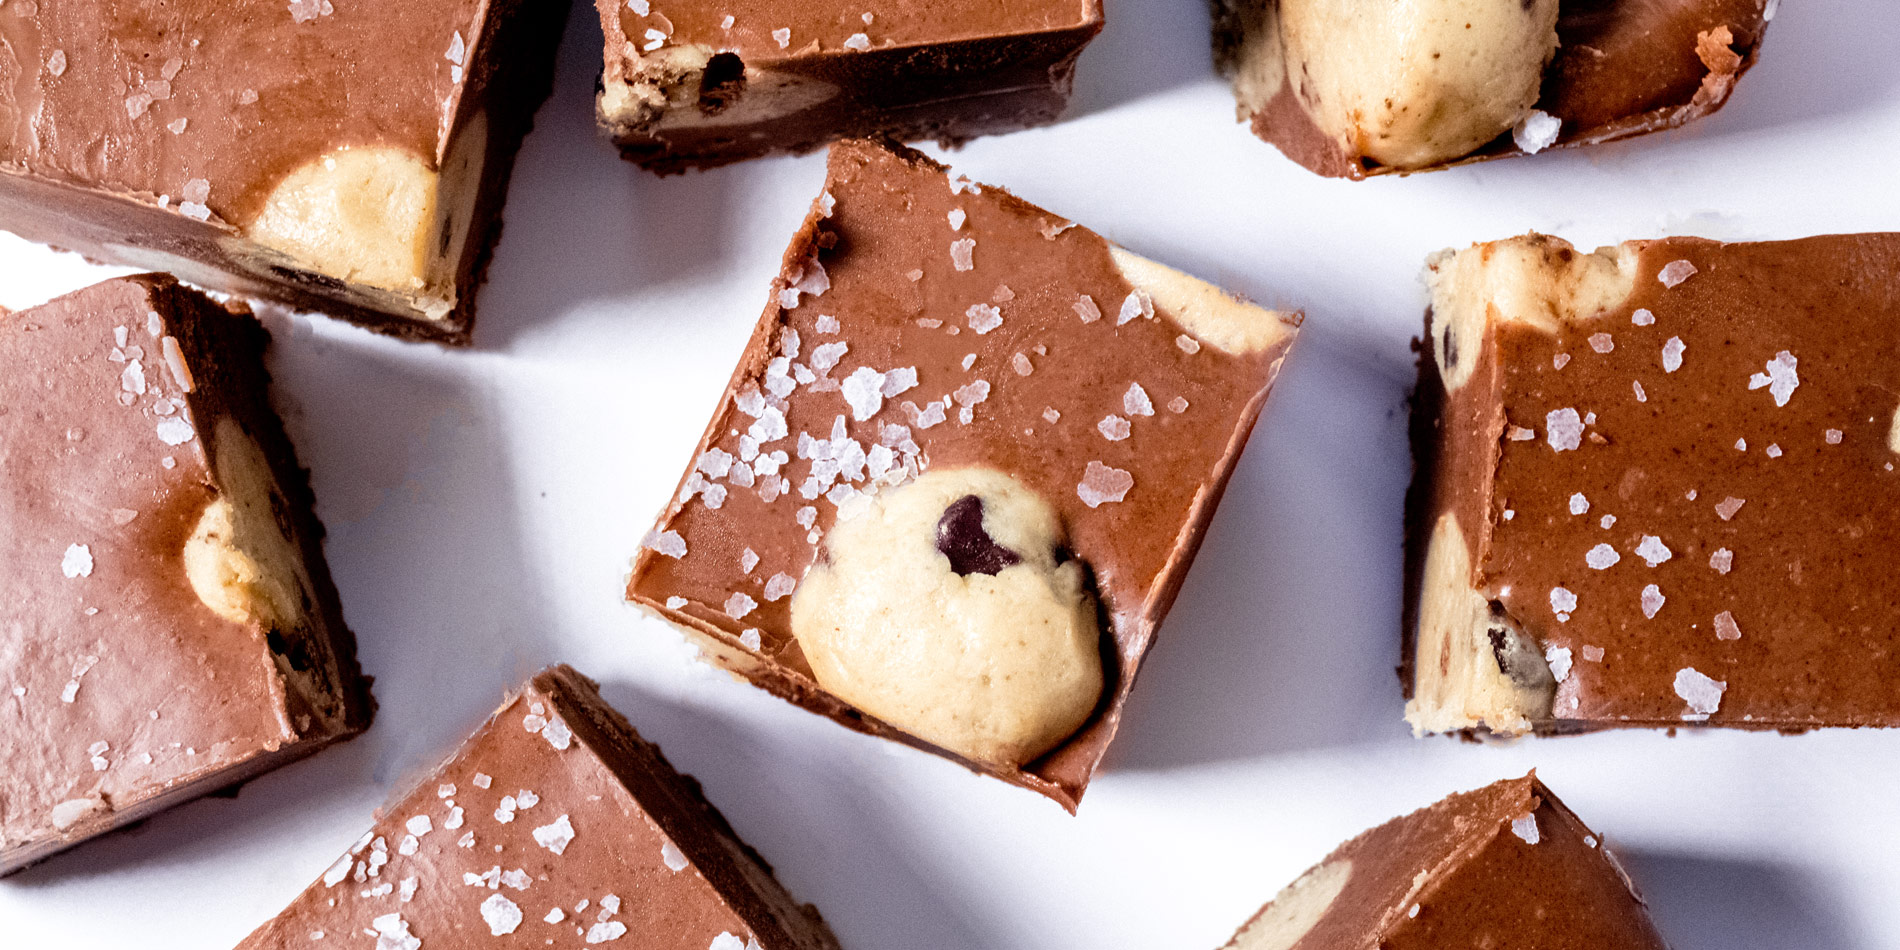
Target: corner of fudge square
(1654,484)
(960,471)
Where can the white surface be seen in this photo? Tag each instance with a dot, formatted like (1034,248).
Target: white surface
(482,506)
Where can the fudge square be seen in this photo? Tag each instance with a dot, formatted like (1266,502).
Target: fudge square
(1351,89)
(693,83)
(960,471)
(349,158)
(1504,866)
(1656,485)
(169,627)
(555,824)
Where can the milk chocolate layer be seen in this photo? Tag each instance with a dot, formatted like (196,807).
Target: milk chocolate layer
(347,158)
(1118,391)
(1504,866)
(1621,68)
(554,824)
(1657,486)
(169,626)
(696,83)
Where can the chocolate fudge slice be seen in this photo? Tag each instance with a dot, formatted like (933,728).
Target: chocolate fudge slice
(1348,89)
(1504,866)
(555,824)
(960,471)
(694,83)
(1656,485)
(169,627)
(349,158)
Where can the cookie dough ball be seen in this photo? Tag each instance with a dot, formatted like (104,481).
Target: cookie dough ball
(1414,83)
(949,609)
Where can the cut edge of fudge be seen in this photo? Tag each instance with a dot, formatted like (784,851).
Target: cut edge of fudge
(1505,836)
(255,557)
(396,242)
(1213,316)
(677,106)
(564,708)
(1251,50)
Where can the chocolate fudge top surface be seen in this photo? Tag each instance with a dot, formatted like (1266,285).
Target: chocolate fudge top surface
(555,823)
(1709,470)
(118,680)
(213,103)
(785,29)
(1505,865)
(1032,353)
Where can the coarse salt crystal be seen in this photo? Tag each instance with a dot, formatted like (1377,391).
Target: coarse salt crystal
(1538,130)
(1727,507)
(675,603)
(1602,557)
(750,639)
(1136,304)
(983,317)
(1086,309)
(501,915)
(1563,429)
(1592,654)
(1579,504)
(1113,428)
(1520,434)
(77,562)
(1558,659)
(858,42)
(605,931)
(957,217)
(1021,365)
(1602,342)
(1653,550)
(668,543)
(779,585)
(1178,405)
(1135,401)
(1675,272)
(1560,361)
(1641,396)
(1773,451)
(1700,691)
(963,254)
(1780,378)
(175,431)
(782,36)
(672,857)
(739,605)
(1722,560)
(1672,354)
(1101,484)
(1726,628)
(1562,602)
(1652,600)
(1833,436)
(1642,317)
(1526,828)
(556,835)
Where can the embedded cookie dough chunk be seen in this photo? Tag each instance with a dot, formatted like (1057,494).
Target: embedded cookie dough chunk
(1353,89)
(349,160)
(1418,82)
(694,83)
(961,471)
(555,823)
(1504,866)
(159,553)
(1634,467)
(948,609)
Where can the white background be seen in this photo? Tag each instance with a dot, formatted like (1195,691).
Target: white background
(482,505)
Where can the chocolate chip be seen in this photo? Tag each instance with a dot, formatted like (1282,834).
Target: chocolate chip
(961,538)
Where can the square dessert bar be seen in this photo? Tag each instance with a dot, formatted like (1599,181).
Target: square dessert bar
(555,824)
(1656,485)
(349,158)
(1504,866)
(693,83)
(168,627)
(1349,89)
(960,471)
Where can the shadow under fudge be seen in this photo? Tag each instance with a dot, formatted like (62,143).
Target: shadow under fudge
(1138,549)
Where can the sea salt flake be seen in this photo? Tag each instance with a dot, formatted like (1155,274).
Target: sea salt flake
(1637,385)
(1652,601)
(77,562)
(1727,507)
(1564,429)
(1726,628)
(1560,361)
(963,254)
(1520,434)
(1700,691)
(779,585)
(1602,557)
(1602,342)
(1113,428)
(672,857)
(175,431)
(556,835)
(1102,484)
(675,603)
(392,933)
(858,42)
(1779,376)
(1833,436)
(1538,130)
(957,217)
(1021,364)
(1188,344)
(750,639)
(1135,401)
(482,780)
(1653,551)
(1672,351)
(1773,451)
(56,63)
(1562,601)
(983,317)
(606,930)
(1085,308)
(557,733)
(1136,304)
(458,51)
(1178,405)
(1579,504)
(782,36)
(1526,828)
(555,916)
(1722,560)
(1675,272)
(668,543)
(1592,654)
(1558,659)
(1741,445)
(501,915)
(419,825)
(739,605)
(863,391)
(1642,317)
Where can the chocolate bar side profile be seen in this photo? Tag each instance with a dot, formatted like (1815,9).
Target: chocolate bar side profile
(170,620)
(981,575)
(1652,487)
(693,84)
(346,159)
(553,823)
(1506,865)
(1349,91)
